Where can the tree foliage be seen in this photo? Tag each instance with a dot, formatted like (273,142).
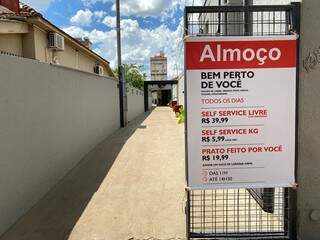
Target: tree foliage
(133,75)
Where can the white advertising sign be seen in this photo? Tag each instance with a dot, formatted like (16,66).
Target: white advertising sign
(241,111)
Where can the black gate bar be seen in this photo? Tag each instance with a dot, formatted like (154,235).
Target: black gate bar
(146,85)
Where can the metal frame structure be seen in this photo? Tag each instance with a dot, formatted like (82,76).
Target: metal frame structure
(249,214)
(263,16)
(146,89)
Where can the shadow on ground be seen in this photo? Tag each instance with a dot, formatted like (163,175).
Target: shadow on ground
(54,216)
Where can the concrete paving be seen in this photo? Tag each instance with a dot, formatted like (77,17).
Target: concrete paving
(130,187)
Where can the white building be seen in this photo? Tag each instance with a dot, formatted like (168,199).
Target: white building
(180,90)
(158,66)
(161,93)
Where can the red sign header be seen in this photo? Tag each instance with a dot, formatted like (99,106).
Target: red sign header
(233,54)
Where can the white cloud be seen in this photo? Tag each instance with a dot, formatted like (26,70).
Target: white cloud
(150,8)
(89,3)
(76,31)
(39,5)
(138,44)
(82,18)
(99,14)
(126,24)
(109,21)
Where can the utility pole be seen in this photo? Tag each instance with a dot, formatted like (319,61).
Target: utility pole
(122,83)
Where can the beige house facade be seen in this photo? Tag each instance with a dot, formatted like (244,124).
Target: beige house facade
(25,33)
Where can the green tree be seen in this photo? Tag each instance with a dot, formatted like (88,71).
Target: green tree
(133,75)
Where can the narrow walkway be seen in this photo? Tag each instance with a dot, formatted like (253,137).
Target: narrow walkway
(130,187)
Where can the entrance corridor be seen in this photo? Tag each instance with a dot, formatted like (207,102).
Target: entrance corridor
(130,187)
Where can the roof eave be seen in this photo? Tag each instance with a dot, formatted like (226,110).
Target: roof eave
(52,27)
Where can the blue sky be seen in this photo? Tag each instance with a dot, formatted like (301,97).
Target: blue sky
(148,26)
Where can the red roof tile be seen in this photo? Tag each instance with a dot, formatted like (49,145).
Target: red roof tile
(25,11)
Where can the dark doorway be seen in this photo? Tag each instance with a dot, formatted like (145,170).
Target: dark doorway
(165,97)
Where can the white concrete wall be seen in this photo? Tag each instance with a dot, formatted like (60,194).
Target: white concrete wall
(174,92)
(135,103)
(150,100)
(50,117)
(308,191)
(181,91)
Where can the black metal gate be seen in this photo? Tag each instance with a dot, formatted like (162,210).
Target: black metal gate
(242,213)
(157,83)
